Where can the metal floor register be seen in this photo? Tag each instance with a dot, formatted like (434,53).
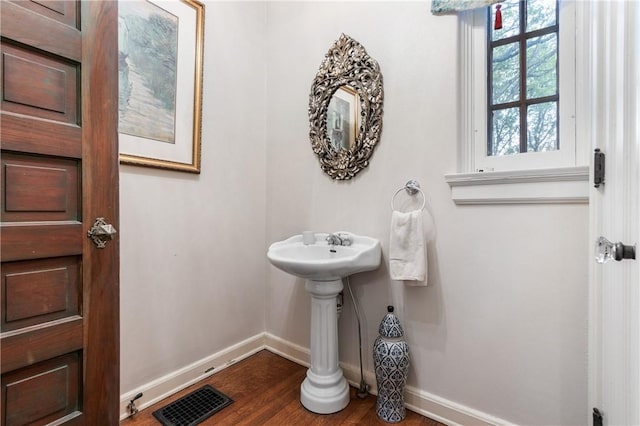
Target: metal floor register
(193,408)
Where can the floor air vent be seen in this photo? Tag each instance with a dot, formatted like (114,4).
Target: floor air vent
(193,408)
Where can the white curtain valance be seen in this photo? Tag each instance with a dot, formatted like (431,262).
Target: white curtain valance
(443,7)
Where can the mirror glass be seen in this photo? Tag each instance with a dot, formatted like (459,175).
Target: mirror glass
(345,109)
(343,118)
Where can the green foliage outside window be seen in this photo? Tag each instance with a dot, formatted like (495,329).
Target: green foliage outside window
(523,78)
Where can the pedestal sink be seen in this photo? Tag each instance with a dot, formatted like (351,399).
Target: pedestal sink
(323,265)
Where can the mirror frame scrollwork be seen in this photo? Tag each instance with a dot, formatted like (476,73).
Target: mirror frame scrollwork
(346,64)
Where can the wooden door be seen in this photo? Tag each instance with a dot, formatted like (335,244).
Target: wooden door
(59,338)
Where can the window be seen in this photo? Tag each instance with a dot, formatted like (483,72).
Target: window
(528,118)
(523,78)
(518,105)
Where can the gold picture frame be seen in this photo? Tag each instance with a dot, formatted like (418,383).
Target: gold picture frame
(161,47)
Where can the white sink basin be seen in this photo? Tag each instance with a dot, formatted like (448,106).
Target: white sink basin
(325,389)
(320,261)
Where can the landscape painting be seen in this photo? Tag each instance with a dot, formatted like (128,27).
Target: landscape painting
(148,51)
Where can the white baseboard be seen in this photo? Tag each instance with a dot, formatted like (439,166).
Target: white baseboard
(429,405)
(448,412)
(171,383)
(286,349)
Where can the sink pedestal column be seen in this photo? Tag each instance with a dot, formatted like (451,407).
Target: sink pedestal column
(324,390)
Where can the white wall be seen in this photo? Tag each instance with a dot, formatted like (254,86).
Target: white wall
(502,328)
(192,246)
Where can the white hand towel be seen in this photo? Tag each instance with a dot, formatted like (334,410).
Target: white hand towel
(407,260)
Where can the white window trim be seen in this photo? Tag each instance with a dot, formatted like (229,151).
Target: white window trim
(537,186)
(554,184)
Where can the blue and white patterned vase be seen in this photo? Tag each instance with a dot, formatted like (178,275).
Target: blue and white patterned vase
(391,360)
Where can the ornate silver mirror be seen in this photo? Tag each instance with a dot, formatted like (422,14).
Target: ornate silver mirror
(345,109)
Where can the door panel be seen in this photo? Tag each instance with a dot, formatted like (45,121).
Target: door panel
(59,294)
(40,189)
(62,11)
(21,22)
(37,85)
(50,390)
(40,291)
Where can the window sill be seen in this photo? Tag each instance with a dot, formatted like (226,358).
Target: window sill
(545,186)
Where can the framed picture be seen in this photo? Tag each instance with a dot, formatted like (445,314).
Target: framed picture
(342,118)
(160,47)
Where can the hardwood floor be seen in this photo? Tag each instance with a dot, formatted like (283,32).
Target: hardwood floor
(266,391)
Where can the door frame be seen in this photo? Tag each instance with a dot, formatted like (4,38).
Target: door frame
(614,290)
(100,198)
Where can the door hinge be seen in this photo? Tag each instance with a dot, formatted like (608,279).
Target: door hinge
(597,417)
(598,168)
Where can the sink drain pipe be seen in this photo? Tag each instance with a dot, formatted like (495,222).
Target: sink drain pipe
(364,387)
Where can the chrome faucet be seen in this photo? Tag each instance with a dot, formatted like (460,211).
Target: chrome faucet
(338,240)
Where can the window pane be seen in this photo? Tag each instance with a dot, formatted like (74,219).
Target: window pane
(506,74)
(510,20)
(540,14)
(542,127)
(505,135)
(542,61)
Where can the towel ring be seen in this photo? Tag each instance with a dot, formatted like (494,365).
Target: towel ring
(412,187)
